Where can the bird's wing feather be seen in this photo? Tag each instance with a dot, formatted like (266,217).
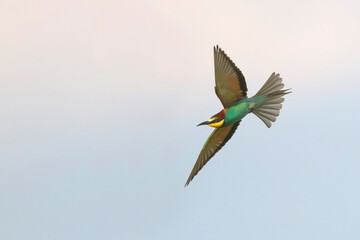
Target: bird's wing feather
(214,143)
(230,84)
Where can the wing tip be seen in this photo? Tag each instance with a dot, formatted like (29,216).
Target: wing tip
(217,48)
(188,181)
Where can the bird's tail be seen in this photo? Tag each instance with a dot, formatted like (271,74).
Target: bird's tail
(270,97)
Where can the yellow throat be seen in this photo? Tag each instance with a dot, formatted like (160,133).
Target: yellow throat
(217,124)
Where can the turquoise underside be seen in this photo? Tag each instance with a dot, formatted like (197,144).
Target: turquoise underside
(240,109)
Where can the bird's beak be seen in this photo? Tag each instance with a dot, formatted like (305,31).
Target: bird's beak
(203,123)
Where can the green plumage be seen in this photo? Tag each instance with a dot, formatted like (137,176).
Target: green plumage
(231,89)
(241,108)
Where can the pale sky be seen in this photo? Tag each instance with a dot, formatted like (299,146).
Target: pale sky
(99,101)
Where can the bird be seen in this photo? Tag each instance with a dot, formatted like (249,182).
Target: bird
(231,89)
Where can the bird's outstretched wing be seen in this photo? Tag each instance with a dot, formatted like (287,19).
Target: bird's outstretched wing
(230,85)
(214,143)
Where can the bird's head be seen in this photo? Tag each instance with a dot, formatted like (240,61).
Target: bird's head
(215,121)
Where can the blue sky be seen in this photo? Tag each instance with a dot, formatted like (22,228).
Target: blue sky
(99,103)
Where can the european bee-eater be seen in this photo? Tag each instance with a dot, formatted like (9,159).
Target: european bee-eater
(230,87)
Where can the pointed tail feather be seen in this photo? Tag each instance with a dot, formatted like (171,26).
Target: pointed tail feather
(273,93)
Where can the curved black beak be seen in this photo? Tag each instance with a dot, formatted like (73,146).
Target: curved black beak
(203,123)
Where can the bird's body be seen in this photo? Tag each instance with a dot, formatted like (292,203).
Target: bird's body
(242,108)
(238,111)
(230,87)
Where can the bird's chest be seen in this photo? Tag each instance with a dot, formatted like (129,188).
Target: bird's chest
(236,113)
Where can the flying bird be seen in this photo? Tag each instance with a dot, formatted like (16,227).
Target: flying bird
(231,89)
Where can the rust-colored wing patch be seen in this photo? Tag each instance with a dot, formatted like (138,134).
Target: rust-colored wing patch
(230,84)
